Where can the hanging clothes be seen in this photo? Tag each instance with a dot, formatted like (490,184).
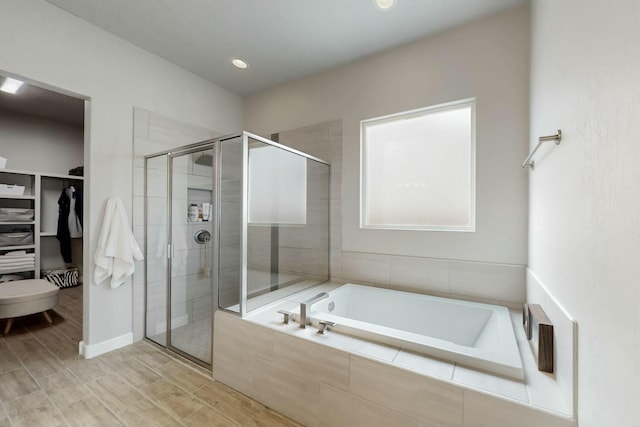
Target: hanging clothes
(69,219)
(75,225)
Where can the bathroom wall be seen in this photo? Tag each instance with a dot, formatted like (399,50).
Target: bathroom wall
(54,47)
(33,143)
(584,206)
(486,59)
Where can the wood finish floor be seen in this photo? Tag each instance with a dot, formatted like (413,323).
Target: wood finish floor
(44,382)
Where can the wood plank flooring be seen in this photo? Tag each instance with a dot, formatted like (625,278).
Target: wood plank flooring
(44,382)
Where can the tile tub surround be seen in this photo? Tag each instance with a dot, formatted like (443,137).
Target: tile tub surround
(502,284)
(303,375)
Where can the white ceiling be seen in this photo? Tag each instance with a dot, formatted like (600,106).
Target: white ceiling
(282,40)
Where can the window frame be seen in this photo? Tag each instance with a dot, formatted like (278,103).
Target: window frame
(454,105)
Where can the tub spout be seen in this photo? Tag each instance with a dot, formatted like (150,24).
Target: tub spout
(306,304)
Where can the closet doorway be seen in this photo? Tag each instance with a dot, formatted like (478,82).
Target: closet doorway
(42,140)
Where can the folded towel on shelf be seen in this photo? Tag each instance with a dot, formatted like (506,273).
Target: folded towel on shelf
(18,264)
(117,248)
(18,253)
(17,261)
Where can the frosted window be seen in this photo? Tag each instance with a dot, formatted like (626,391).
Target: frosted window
(418,169)
(277,186)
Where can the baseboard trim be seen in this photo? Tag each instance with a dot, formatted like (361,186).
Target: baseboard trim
(89,351)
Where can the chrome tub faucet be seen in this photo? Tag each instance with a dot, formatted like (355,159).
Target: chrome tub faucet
(306,304)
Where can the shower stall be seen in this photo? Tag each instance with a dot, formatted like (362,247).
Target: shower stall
(232,223)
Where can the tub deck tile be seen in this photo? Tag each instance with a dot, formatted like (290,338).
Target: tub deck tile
(424,364)
(492,383)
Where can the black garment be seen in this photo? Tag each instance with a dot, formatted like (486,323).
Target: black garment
(64,207)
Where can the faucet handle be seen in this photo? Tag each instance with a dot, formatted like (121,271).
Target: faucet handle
(287,316)
(325,326)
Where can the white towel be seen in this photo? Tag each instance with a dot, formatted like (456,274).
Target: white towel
(117,248)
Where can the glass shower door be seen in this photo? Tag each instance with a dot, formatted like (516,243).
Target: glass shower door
(156,235)
(190,288)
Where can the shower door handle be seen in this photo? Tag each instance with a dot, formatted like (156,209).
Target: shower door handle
(169,251)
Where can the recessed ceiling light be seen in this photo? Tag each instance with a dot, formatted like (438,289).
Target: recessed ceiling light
(239,63)
(11,85)
(384,4)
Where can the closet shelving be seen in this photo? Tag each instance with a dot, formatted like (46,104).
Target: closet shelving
(41,194)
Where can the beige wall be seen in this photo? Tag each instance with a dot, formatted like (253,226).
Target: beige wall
(53,47)
(584,203)
(487,59)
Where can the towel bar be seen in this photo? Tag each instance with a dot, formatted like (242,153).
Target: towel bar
(528,163)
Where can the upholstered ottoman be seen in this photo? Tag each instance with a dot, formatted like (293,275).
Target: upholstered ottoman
(23,297)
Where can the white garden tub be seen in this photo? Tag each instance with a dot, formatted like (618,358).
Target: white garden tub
(472,334)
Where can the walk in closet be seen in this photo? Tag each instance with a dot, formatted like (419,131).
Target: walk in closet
(29,224)
(42,139)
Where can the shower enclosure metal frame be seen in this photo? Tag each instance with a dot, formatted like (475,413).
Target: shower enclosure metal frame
(215,145)
(170,155)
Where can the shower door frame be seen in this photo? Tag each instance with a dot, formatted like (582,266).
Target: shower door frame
(215,145)
(211,144)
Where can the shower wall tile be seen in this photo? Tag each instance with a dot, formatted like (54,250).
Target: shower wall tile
(228,292)
(199,286)
(156,183)
(168,131)
(202,308)
(309,237)
(154,133)
(308,139)
(257,281)
(157,292)
(138,181)
(318,212)
(229,255)
(156,214)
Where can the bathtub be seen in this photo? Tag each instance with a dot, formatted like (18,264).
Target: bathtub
(468,333)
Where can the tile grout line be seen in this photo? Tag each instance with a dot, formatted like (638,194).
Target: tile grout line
(4,408)
(55,407)
(192,394)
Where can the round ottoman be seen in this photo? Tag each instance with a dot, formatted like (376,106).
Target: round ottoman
(24,297)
